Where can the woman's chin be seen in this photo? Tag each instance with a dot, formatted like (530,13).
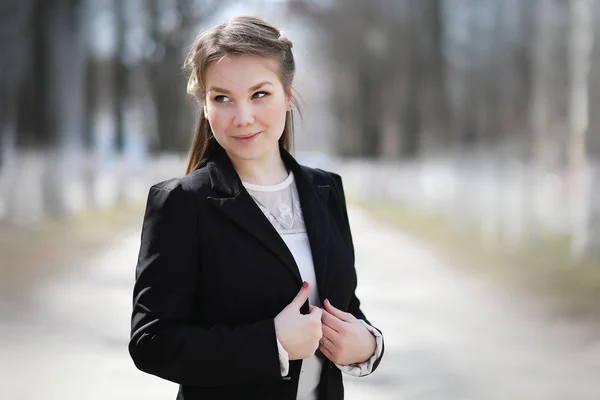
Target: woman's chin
(255,152)
(247,154)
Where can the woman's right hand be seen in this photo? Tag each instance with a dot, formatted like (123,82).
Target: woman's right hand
(299,334)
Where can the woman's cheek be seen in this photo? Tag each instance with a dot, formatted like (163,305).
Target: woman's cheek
(270,112)
(217,118)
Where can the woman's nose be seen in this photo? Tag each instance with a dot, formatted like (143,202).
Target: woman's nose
(244,115)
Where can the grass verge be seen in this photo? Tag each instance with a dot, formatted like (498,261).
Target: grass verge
(543,268)
(30,255)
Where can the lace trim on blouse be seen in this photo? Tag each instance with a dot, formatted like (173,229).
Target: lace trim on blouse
(280,203)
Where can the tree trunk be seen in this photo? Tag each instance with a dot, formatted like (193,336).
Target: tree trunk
(64,100)
(580,45)
(538,118)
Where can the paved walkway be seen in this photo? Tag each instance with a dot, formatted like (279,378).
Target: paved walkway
(448,335)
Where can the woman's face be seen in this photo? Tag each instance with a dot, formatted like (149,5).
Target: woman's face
(246,105)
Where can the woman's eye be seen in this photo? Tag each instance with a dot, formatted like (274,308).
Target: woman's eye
(258,95)
(221,99)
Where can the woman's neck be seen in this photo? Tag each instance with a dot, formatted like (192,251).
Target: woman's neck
(267,170)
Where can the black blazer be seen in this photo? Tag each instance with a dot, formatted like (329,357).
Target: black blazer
(213,273)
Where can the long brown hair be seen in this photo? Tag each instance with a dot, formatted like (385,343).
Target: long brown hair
(238,36)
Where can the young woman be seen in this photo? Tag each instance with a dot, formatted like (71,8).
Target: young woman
(245,283)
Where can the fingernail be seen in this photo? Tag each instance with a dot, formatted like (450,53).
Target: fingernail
(305,285)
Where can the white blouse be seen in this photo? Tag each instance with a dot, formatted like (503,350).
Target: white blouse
(280,204)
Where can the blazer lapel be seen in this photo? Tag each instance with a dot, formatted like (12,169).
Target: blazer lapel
(313,200)
(239,206)
(241,209)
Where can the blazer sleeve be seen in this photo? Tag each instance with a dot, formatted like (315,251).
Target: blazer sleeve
(354,307)
(161,342)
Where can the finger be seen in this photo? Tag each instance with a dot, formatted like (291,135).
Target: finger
(326,352)
(301,297)
(315,312)
(337,313)
(330,334)
(332,321)
(325,342)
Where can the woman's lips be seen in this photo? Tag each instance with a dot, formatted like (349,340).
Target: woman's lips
(246,139)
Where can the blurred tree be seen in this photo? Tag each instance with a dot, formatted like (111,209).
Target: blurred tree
(62,51)
(15,59)
(581,44)
(356,48)
(77,76)
(539,152)
(121,78)
(431,92)
(390,78)
(540,85)
(172,25)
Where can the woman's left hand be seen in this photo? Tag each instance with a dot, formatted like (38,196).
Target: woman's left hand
(345,339)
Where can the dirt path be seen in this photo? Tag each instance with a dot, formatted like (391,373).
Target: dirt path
(448,335)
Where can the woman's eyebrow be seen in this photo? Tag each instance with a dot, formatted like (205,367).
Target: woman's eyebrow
(253,88)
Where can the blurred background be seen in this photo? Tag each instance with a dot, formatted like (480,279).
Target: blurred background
(465,132)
